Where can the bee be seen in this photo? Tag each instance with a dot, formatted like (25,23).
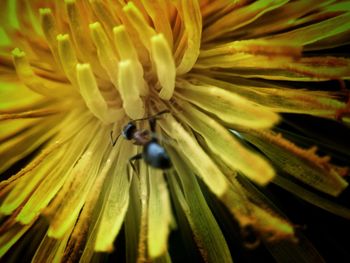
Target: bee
(152,153)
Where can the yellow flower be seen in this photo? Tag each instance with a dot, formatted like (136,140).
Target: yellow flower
(73,71)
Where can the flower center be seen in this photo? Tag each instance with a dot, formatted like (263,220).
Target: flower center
(116,64)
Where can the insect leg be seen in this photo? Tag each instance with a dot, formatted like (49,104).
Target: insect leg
(152,116)
(134,158)
(113,141)
(152,125)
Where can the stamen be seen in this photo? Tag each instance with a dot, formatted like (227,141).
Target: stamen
(68,58)
(92,96)
(127,51)
(82,38)
(103,14)
(139,22)
(129,91)
(108,59)
(106,54)
(165,65)
(27,76)
(49,28)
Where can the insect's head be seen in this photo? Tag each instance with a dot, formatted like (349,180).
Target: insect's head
(128,130)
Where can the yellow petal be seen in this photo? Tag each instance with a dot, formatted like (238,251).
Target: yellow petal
(53,181)
(199,160)
(191,38)
(66,206)
(228,106)
(279,98)
(21,145)
(26,184)
(223,144)
(116,200)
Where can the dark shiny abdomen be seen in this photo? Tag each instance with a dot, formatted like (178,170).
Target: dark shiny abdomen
(156,156)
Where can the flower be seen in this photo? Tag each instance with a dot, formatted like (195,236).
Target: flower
(226,71)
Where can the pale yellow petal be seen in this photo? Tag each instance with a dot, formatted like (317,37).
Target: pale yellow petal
(117,198)
(76,189)
(228,106)
(223,144)
(191,37)
(200,161)
(159,214)
(53,181)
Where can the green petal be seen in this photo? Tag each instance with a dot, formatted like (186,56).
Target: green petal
(50,249)
(305,165)
(11,236)
(206,231)
(283,18)
(312,198)
(313,33)
(239,17)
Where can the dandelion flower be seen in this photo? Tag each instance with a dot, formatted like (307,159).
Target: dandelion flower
(73,71)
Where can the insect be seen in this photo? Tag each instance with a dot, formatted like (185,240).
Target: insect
(152,153)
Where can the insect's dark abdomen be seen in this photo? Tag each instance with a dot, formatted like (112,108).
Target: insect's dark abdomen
(156,156)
